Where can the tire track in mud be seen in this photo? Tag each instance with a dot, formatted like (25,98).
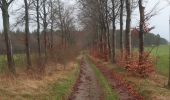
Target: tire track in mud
(87,86)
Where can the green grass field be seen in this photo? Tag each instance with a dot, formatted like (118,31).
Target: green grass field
(162,53)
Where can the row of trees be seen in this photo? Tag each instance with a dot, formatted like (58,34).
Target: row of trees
(48,15)
(102,14)
(101,17)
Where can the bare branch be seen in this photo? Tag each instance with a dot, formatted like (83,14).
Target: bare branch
(10,2)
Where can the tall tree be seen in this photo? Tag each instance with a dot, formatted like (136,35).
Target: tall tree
(113,31)
(141,31)
(45,27)
(128,29)
(27,37)
(4,4)
(38,28)
(121,25)
(37,5)
(61,21)
(169,55)
(108,30)
(52,18)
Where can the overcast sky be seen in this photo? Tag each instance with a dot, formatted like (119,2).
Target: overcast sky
(160,21)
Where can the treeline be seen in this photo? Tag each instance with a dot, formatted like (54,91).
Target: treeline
(150,39)
(18,41)
(53,22)
(101,16)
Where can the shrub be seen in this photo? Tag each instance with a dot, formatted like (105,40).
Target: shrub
(132,64)
(63,55)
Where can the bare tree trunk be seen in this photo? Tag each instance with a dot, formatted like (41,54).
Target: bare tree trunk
(169,56)
(141,31)
(98,39)
(45,28)
(27,37)
(38,29)
(108,41)
(103,27)
(68,35)
(113,32)
(65,34)
(5,16)
(52,39)
(101,41)
(121,26)
(108,31)
(61,23)
(52,23)
(128,30)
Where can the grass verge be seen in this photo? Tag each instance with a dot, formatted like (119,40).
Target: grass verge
(55,86)
(62,89)
(109,93)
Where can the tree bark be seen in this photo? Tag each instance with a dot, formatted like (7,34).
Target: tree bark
(108,31)
(52,23)
(141,31)
(45,28)
(27,36)
(9,52)
(61,23)
(113,32)
(169,57)
(121,26)
(108,41)
(38,29)
(128,30)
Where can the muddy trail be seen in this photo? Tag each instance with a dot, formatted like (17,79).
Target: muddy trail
(87,86)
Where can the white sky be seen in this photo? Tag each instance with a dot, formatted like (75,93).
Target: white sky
(160,21)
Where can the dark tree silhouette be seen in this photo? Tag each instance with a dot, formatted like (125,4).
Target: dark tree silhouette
(4,4)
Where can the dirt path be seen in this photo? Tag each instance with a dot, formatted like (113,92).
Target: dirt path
(87,87)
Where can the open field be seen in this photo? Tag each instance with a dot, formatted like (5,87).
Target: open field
(162,54)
